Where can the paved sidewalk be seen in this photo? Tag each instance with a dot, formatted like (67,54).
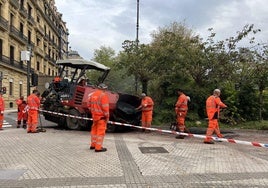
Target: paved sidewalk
(60,158)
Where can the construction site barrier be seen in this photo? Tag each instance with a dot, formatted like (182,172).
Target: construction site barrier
(230,140)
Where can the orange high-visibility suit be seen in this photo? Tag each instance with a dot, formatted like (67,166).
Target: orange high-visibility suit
(181,108)
(2,109)
(33,102)
(147,106)
(98,104)
(22,115)
(213,105)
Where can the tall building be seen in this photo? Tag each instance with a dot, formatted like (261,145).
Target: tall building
(33,26)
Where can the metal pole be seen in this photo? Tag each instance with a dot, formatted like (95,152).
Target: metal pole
(29,71)
(28,76)
(137,25)
(137,42)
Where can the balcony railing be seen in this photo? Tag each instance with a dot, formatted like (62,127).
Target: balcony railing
(15,3)
(23,11)
(3,23)
(13,63)
(18,35)
(31,19)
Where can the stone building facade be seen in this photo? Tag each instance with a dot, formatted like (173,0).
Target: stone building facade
(34,26)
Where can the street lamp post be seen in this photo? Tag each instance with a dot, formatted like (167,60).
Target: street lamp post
(26,56)
(29,70)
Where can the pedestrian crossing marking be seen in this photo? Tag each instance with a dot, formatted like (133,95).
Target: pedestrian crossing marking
(6,124)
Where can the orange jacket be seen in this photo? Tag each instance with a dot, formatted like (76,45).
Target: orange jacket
(33,102)
(21,105)
(2,104)
(98,104)
(181,104)
(147,104)
(213,104)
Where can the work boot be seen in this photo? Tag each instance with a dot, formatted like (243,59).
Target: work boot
(24,126)
(180,137)
(102,150)
(18,126)
(208,142)
(91,148)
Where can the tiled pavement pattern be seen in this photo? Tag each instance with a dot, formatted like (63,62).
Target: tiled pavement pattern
(60,158)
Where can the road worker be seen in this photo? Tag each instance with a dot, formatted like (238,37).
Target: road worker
(213,105)
(181,109)
(146,106)
(56,82)
(33,104)
(2,109)
(22,115)
(98,104)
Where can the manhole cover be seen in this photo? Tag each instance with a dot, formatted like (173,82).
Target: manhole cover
(153,150)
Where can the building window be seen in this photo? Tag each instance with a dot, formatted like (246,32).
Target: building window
(11,19)
(21,28)
(1,49)
(49,71)
(29,37)
(38,41)
(20,89)
(11,54)
(10,87)
(38,65)
(29,11)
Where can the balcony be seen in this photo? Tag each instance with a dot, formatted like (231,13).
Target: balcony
(40,29)
(31,20)
(13,63)
(23,12)
(3,24)
(19,36)
(39,51)
(15,3)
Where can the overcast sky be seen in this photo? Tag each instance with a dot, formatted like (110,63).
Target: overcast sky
(95,23)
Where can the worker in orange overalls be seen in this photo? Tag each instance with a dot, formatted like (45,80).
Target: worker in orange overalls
(2,109)
(22,115)
(56,82)
(146,106)
(213,105)
(181,109)
(33,104)
(98,104)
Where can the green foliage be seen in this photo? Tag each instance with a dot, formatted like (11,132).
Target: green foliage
(177,58)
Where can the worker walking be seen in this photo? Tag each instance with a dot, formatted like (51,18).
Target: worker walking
(181,109)
(98,104)
(2,109)
(213,105)
(146,106)
(33,102)
(22,115)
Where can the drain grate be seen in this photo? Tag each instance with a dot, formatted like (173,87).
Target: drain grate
(153,150)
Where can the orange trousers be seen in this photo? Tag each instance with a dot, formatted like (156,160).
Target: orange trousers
(181,120)
(97,133)
(21,116)
(1,120)
(213,126)
(146,118)
(32,120)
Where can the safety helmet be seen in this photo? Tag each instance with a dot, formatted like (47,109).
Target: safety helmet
(102,86)
(143,95)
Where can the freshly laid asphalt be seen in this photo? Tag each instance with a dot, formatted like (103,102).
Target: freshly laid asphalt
(62,158)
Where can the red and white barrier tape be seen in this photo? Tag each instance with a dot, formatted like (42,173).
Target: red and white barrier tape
(257,144)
